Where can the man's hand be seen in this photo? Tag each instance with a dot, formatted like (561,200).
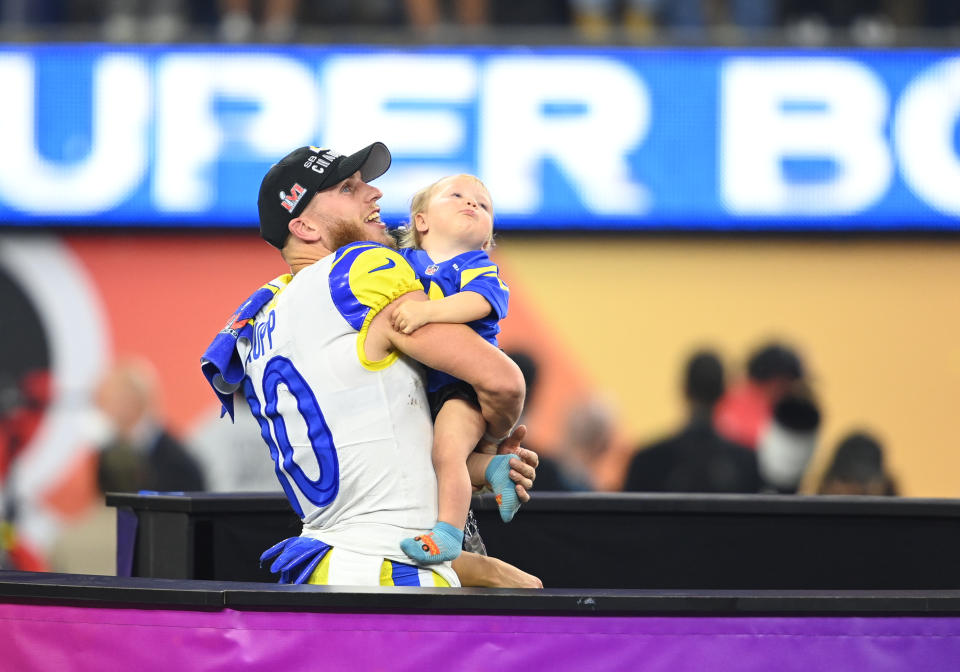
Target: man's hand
(458,350)
(410,316)
(523,470)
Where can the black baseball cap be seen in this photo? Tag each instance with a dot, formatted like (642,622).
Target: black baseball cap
(291,182)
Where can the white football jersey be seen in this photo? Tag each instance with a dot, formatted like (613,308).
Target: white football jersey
(350,438)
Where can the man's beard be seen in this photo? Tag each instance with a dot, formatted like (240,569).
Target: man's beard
(344,232)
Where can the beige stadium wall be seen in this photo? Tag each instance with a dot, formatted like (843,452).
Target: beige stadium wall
(877,322)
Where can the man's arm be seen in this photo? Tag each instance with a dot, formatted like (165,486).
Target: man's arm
(457,308)
(487,572)
(458,350)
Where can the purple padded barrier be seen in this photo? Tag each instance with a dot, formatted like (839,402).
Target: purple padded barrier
(40,637)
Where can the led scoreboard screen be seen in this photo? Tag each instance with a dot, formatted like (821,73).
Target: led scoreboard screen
(612,139)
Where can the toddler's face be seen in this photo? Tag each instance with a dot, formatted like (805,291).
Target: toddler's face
(461,210)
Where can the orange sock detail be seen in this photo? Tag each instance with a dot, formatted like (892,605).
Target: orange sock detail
(428,544)
(499,499)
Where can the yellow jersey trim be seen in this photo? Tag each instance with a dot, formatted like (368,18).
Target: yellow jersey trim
(321,575)
(386,573)
(277,285)
(377,276)
(435,292)
(368,364)
(470,274)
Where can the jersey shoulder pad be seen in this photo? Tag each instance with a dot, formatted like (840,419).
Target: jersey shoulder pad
(365,277)
(479,274)
(478,266)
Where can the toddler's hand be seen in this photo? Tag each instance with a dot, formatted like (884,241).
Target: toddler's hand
(409,316)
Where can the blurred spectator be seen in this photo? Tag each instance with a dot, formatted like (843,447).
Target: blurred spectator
(744,412)
(788,441)
(752,14)
(866,22)
(134,453)
(640,18)
(278,20)
(427,16)
(23,402)
(233,455)
(857,468)
(696,459)
(835,13)
(940,13)
(17,15)
(588,436)
(595,18)
(26,394)
(137,453)
(144,20)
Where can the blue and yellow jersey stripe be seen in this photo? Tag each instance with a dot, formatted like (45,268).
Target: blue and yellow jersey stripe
(364,278)
(392,573)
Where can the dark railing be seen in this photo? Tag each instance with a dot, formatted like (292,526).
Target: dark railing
(603,541)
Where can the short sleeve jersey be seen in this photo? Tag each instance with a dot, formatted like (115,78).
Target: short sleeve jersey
(472,271)
(350,438)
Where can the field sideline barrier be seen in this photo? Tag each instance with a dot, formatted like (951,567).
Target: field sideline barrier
(643,541)
(75,622)
(848,583)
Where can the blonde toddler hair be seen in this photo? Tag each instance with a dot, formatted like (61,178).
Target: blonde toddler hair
(407,235)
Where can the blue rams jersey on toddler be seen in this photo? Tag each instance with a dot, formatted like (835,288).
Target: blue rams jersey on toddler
(472,271)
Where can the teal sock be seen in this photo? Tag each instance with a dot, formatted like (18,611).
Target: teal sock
(498,476)
(441,543)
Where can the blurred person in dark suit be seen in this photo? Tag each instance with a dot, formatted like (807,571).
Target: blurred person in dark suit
(696,458)
(137,452)
(133,452)
(589,433)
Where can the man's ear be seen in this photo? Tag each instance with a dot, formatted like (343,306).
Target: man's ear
(303,229)
(420,221)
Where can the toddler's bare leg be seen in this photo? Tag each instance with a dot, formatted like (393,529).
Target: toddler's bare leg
(457,430)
